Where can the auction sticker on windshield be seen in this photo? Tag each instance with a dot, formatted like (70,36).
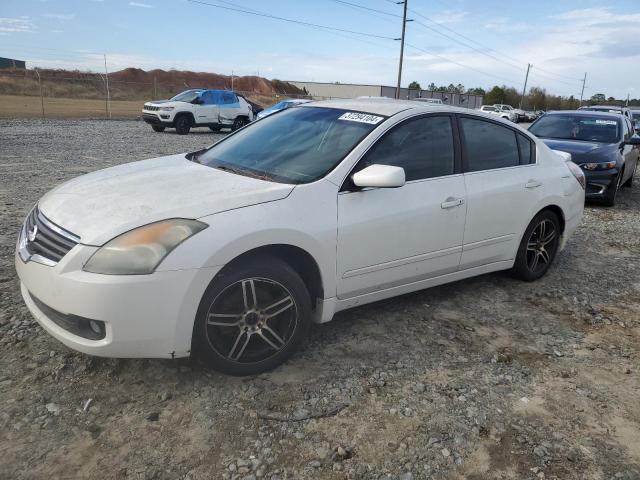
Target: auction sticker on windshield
(361,117)
(606,122)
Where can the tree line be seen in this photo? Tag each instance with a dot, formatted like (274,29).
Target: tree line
(537,98)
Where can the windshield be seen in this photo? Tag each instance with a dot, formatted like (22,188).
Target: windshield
(187,96)
(297,145)
(577,127)
(636,115)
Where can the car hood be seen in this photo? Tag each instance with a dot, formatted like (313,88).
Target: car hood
(100,205)
(165,103)
(582,152)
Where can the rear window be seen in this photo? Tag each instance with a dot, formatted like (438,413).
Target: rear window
(577,127)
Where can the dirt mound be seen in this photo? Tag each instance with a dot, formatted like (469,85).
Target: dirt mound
(181,79)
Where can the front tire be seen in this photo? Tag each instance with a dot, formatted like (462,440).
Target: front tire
(252,317)
(183,125)
(157,128)
(538,247)
(612,192)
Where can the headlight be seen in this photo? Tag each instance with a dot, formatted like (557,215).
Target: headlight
(599,166)
(166,109)
(141,250)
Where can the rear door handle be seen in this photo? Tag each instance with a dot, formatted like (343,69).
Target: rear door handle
(452,202)
(532,184)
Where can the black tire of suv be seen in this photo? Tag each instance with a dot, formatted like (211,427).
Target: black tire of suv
(183,124)
(268,269)
(521,268)
(158,128)
(239,123)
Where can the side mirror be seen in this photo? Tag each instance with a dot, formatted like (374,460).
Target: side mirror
(634,140)
(380,176)
(197,101)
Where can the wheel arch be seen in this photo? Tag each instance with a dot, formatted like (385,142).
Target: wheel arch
(296,257)
(187,114)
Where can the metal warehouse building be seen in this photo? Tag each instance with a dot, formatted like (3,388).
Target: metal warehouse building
(351,90)
(12,63)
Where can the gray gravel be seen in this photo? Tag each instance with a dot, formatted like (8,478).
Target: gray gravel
(488,378)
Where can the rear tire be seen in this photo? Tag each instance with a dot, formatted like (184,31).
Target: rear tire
(239,123)
(183,125)
(252,317)
(158,128)
(538,247)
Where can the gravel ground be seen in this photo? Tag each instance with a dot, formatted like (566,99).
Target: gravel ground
(487,378)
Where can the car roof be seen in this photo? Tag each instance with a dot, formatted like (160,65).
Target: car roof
(585,113)
(384,106)
(604,107)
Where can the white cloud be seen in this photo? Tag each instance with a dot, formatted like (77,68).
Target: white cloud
(16,25)
(60,16)
(449,16)
(506,25)
(140,5)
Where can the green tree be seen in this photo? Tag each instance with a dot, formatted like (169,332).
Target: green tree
(432,87)
(598,98)
(476,91)
(495,95)
(414,86)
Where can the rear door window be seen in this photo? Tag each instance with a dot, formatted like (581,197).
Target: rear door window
(488,145)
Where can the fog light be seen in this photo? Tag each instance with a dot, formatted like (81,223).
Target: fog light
(95,327)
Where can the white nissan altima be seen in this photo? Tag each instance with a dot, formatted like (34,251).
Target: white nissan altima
(230,252)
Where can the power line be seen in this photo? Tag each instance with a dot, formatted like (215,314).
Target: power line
(369,9)
(291,20)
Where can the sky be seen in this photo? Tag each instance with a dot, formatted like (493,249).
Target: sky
(478,43)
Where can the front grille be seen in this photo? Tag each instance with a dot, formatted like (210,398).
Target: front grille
(151,108)
(50,241)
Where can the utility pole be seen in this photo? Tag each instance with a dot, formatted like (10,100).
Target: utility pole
(627,104)
(232,80)
(524,89)
(106,76)
(584,80)
(41,93)
(404,26)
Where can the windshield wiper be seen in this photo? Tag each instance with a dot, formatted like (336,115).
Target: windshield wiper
(246,173)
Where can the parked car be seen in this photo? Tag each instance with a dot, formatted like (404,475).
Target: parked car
(610,109)
(282,105)
(256,108)
(530,116)
(215,109)
(502,114)
(635,114)
(603,144)
(432,101)
(519,114)
(232,251)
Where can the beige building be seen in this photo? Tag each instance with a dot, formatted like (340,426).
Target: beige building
(320,91)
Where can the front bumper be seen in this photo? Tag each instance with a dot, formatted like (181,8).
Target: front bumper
(144,315)
(599,182)
(158,118)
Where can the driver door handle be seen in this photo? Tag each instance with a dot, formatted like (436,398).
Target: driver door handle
(452,202)
(532,184)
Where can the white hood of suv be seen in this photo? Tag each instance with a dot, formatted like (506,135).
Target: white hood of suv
(100,205)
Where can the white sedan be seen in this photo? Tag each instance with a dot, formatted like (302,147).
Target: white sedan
(232,251)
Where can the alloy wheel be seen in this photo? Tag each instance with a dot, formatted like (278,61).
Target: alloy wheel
(540,245)
(251,320)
